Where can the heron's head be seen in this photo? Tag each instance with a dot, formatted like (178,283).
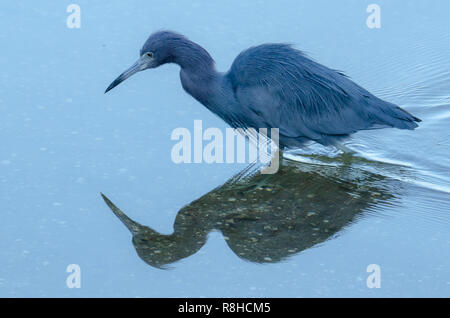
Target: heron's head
(157,50)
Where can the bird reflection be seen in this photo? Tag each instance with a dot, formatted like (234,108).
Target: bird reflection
(266,218)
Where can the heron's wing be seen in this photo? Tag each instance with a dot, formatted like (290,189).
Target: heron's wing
(286,90)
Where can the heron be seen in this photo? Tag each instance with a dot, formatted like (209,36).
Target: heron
(273,85)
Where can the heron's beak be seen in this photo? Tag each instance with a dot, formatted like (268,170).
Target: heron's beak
(140,65)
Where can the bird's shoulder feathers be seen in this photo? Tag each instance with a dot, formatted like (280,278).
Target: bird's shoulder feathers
(301,97)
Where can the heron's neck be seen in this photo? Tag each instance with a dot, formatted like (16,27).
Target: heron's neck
(192,57)
(198,74)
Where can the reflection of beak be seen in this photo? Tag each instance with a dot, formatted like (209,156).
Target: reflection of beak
(136,67)
(129,223)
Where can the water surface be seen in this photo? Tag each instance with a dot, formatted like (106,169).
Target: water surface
(310,230)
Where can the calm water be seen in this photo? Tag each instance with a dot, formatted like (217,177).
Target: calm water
(310,230)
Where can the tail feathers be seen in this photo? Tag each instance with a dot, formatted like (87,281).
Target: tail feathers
(397,117)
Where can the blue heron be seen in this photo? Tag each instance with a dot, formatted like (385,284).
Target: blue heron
(273,86)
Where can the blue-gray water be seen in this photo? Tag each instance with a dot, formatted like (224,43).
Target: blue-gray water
(62,142)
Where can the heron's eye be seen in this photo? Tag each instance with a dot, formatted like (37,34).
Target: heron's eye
(149,54)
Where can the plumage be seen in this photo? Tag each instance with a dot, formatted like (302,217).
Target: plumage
(277,86)
(306,99)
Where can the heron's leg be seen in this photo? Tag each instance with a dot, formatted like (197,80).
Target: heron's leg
(280,158)
(275,163)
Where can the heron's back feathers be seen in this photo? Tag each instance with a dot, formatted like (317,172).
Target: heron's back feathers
(280,87)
